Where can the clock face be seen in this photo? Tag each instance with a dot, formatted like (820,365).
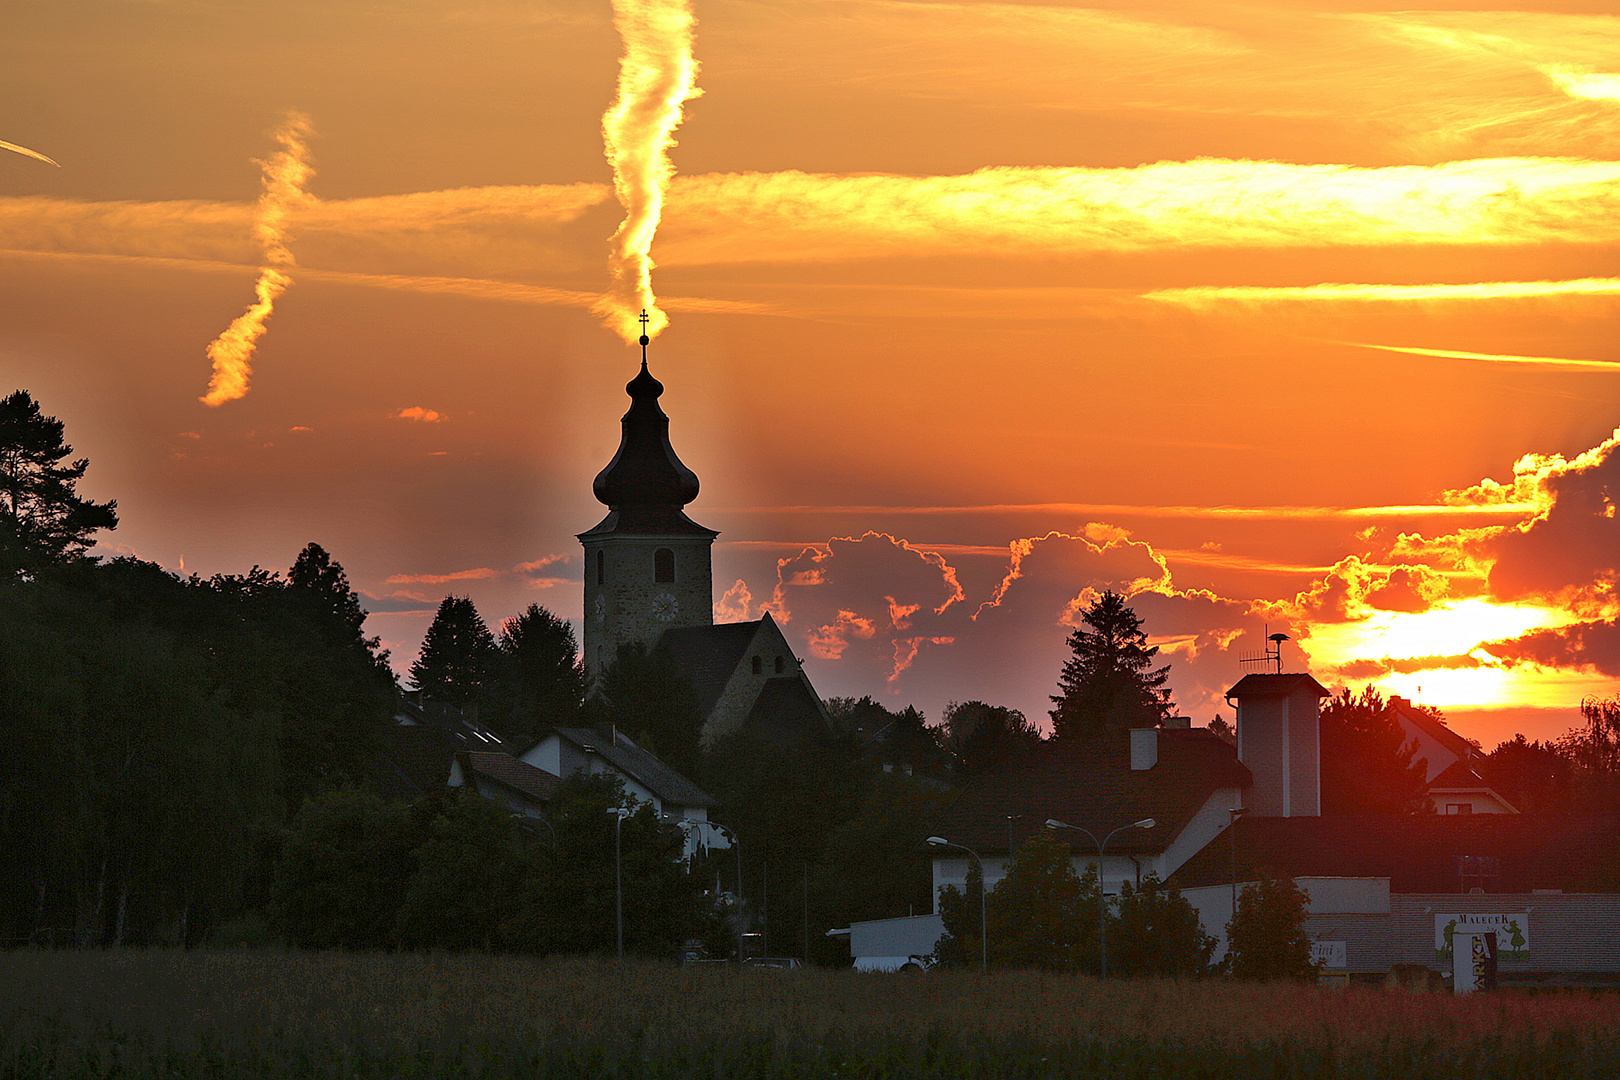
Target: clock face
(665,607)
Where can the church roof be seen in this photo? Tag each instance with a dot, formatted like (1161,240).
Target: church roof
(1095,788)
(708,655)
(786,713)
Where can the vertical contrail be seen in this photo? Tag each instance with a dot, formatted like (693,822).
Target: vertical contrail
(285,174)
(656,76)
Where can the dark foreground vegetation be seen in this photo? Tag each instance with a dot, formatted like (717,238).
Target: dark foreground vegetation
(178,1014)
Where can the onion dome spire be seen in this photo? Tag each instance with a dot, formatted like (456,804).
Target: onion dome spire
(645,474)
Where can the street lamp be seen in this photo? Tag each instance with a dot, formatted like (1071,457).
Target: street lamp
(619,814)
(1235,812)
(984,940)
(1102,897)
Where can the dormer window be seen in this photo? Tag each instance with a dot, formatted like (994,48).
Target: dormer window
(757,665)
(663,565)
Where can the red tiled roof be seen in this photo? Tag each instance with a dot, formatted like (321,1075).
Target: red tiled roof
(1094,788)
(520,776)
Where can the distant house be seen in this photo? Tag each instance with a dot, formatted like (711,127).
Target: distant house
(1185,779)
(566,751)
(1452,763)
(433,747)
(1383,889)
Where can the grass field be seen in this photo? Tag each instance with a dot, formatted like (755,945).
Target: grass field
(172,1014)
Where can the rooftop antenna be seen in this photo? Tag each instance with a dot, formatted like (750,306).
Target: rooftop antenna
(1272,654)
(645,319)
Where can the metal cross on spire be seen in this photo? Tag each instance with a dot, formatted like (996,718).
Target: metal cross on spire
(644,319)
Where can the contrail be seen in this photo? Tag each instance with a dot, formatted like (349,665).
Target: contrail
(656,76)
(285,174)
(25,152)
(1493,358)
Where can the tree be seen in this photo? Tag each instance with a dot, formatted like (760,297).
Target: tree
(648,697)
(1593,751)
(1367,766)
(1157,934)
(468,879)
(1223,730)
(1533,776)
(42,517)
(981,736)
(1267,933)
(458,655)
(1109,684)
(343,872)
(569,893)
(539,680)
(1040,915)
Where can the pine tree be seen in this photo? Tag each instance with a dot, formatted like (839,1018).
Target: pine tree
(1367,764)
(42,517)
(1109,684)
(539,682)
(458,655)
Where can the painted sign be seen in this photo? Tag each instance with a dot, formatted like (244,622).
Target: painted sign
(1329,954)
(1475,966)
(1512,931)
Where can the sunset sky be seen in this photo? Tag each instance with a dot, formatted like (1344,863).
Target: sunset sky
(1296,316)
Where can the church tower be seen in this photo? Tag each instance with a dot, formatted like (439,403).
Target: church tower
(647,565)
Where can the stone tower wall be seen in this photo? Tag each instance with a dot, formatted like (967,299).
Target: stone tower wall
(626,603)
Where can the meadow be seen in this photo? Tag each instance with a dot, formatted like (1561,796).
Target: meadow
(194,1014)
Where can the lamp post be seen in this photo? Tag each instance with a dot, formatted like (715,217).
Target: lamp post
(1102,897)
(1235,812)
(984,940)
(619,814)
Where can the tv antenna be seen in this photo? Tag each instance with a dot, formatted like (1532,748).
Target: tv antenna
(1272,654)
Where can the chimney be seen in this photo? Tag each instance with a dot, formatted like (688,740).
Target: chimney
(1144,748)
(1178,723)
(1279,739)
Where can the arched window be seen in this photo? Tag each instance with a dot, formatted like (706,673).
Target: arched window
(756,665)
(601,567)
(779,663)
(663,565)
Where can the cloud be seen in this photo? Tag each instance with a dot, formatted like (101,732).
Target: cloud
(286,173)
(1218,297)
(657,75)
(735,604)
(419,414)
(1167,205)
(534,574)
(479,574)
(1355,588)
(1594,644)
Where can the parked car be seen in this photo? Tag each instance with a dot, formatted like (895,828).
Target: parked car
(778,963)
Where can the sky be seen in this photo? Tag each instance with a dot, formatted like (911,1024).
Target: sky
(1275,317)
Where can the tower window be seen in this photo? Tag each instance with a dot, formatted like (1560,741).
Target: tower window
(756,665)
(663,565)
(779,663)
(601,567)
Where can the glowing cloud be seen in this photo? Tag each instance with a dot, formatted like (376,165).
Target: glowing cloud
(1584,84)
(656,76)
(1209,296)
(285,174)
(420,415)
(25,152)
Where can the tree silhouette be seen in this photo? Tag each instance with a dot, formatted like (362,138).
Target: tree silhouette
(1367,766)
(458,655)
(539,681)
(42,517)
(1109,685)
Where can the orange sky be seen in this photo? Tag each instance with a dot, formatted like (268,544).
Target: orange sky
(1288,315)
